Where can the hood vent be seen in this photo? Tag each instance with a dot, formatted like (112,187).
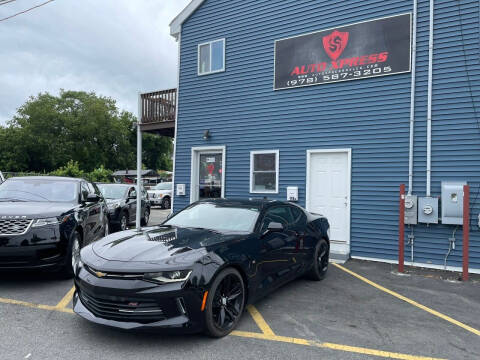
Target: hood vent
(164,237)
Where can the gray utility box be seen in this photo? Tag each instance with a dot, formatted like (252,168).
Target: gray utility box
(411,209)
(428,210)
(452,202)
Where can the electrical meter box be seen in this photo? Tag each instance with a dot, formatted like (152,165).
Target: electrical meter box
(180,189)
(292,193)
(428,210)
(411,209)
(452,202)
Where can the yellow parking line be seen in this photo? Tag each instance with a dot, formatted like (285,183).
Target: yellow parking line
(262,336)
(410,301)
(259,320)
(66,299)
(35,306)
(325,345)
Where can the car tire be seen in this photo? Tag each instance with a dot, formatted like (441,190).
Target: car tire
(73,250)
(320,261)
(226,298)
(146,217)
(166,203)
(123,225)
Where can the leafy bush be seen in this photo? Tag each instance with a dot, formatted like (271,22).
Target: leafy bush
(72,169)
(100,175)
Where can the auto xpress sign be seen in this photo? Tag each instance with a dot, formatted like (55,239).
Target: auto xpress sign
(373,48)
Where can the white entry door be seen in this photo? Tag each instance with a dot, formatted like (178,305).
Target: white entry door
(328,193)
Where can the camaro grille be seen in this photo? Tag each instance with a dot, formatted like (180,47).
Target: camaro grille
(123,309)
(14,226)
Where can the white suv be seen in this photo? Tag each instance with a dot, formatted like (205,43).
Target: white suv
(161,194)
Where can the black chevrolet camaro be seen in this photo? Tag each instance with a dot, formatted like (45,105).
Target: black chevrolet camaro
(198,270)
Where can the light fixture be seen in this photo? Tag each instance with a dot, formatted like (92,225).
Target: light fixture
(206,135)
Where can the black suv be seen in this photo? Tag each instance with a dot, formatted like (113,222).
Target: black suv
(45,220)
(122,205)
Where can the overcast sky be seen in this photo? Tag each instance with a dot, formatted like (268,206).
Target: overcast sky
(113,47)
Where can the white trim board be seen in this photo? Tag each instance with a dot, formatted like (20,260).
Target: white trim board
(196,151)
(176,23)
(277,168)
(340,248)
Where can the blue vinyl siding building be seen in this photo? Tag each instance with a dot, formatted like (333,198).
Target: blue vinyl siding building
(345,145)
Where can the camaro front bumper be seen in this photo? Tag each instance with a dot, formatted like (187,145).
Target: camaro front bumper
(138,304)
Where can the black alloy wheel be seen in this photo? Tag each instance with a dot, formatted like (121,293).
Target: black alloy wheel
(123,222)
(166,203)
(146,217)
(225,303)
(320,261)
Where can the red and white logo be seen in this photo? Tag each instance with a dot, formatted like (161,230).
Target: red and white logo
(335,43)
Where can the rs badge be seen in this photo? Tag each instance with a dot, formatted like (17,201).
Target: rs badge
(335,43)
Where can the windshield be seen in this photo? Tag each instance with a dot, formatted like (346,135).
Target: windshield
(163,186)
(217,217)
(112,191)
(39,190)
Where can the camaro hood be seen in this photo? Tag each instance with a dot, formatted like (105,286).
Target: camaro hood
(34,210)
(157,245)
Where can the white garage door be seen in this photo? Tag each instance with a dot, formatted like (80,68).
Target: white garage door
(328,193)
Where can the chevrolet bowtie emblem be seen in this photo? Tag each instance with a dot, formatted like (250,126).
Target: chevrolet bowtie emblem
(100,274)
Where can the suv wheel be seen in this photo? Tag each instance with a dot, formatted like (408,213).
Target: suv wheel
(123,222)
(146,217)
(73,255)
(166,203)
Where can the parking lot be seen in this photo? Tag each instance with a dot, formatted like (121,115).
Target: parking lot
(362,310)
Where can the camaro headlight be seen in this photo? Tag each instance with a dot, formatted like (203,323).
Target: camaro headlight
(47,221)
(165,277)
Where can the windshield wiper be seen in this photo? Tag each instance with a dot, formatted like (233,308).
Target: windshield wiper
(12,200)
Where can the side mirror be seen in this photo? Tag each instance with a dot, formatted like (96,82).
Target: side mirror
(274,227)
(93,198)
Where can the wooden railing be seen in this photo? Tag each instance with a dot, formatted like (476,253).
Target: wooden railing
(159,106)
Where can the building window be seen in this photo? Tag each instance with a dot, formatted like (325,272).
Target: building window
(211,57)
(264,171)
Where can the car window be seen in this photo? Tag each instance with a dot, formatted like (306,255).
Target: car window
(39,190)
(219,217)
(132,192)
(164,186)
(85,191)
(299,217)
(280,214)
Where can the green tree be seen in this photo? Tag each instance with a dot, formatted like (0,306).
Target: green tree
(157,152)
(48,131)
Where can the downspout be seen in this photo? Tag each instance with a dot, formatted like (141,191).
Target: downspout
(429,105)
(412,99)
(138,217)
